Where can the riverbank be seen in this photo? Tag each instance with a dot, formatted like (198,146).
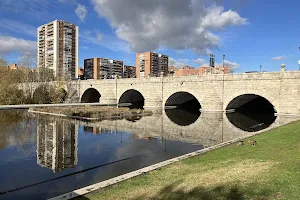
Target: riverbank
(268,170)
(93,112)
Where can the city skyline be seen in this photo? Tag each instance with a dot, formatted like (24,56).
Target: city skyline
(236,31)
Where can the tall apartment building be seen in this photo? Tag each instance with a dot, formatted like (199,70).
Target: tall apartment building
(57,144)
(115,68)
(102,68)
(58,48)
(129,71)
(151,64)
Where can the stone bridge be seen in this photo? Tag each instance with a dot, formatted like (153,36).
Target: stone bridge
(213,92)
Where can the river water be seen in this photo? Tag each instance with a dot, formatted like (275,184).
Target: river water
(43,156)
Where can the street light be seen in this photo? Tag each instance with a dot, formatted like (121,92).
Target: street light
(260,68)
(299,61)
(223,62)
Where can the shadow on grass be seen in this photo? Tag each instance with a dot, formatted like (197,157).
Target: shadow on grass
(222,192)
(201,193)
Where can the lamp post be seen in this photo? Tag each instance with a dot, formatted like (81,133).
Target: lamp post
(223,99)
(223,62)
(299,61)
(260,68)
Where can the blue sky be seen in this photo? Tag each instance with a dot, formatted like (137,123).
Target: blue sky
(249,32)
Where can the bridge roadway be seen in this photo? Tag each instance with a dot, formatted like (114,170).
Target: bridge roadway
(214,92)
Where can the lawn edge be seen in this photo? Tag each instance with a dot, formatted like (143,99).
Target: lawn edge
(112,181)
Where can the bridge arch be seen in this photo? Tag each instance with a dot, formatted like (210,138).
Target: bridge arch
(182,108)
(91,95)
(134,98)
(251,100)
(252,112)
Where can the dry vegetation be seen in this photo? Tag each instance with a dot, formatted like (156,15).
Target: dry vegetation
(97,112)
(16,86)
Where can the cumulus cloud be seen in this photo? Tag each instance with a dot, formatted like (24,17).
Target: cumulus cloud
(178,63)
(199,61)
(278,58)
(10,44)
(81,12)
(233,65)
(217,19)
(176,24)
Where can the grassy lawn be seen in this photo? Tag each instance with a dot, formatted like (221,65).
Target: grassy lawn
(268,170)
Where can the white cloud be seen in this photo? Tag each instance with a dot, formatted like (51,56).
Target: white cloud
(233,65)
(81,12)
(35,9)
(199,61)
(217,19)
(10,44)
(175,24)
(18,27)
(178,63)
(278,58)
(68,1)
(109,42)
(99,36)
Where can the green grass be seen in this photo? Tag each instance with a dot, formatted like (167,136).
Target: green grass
(268,170)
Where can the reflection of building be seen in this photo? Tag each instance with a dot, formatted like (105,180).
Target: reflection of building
(57,145)
(58,48)
(96,130)
(151,64)
(129,71)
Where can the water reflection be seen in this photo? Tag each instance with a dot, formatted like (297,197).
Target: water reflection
(182,117)
(251,112)
(15,129)
(70,146)
(251,122)
(57,142)
(182,108)
(133,118)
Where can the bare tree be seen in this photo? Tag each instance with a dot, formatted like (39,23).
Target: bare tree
(3,62)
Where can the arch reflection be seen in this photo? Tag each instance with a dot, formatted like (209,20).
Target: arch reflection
(182,108)
(251,112)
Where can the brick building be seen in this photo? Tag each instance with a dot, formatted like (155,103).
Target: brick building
(129,71)
(151,64)
(102,68)
(189,71)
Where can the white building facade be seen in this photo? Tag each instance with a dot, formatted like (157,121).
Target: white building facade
(58,48)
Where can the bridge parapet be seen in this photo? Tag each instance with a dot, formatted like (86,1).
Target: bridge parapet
(214,92)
